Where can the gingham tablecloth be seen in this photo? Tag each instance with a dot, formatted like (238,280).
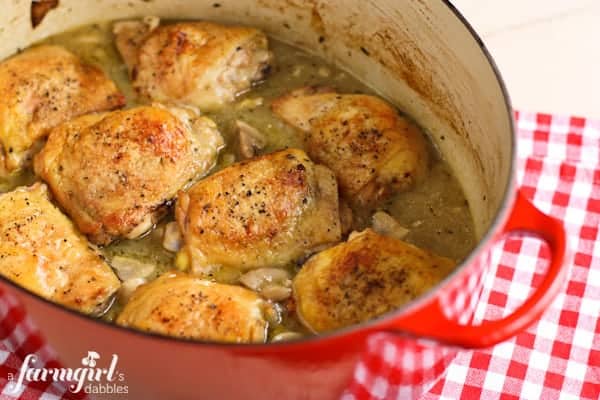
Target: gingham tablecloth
(557,358)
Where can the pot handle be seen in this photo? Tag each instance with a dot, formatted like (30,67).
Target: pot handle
(431,322)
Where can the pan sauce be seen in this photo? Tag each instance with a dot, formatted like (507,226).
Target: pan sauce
(435,212)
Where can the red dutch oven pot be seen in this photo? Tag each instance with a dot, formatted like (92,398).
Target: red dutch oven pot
(425,58)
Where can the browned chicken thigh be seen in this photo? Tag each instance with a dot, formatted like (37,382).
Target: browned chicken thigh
(41,250)
(363,278)
(116,173)
(39,89)
(264,212)
(372,150)
(198,63)
(189,307)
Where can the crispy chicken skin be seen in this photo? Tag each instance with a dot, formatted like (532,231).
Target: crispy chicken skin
(363,278)
(116,173)
(372,150)
(41,250)
(41,88)
(189,307)
(264,212)
(198,63)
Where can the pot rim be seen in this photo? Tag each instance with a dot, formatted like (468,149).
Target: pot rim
(384,319)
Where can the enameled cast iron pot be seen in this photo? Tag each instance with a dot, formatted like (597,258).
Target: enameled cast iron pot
(424,57)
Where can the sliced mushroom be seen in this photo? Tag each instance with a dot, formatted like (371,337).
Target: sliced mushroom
(256,278)
(275,292)
(251,141)
(274,314)
(250,103)
(128,287)
(172,237)
(272,283)
(385,224)
(285,336)
(130,268)
(142,228)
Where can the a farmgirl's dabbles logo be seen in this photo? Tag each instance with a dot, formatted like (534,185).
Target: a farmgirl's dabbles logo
(89,378)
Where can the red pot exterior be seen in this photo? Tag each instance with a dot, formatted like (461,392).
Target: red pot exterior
(158,368)
(319,368)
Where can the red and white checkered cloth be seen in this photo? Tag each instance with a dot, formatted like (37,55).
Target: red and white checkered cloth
(18,338)
(557,358)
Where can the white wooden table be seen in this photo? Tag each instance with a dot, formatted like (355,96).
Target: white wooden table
(547,50)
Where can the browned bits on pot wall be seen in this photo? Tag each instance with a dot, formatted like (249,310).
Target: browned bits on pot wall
(317,22)
(39,9)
